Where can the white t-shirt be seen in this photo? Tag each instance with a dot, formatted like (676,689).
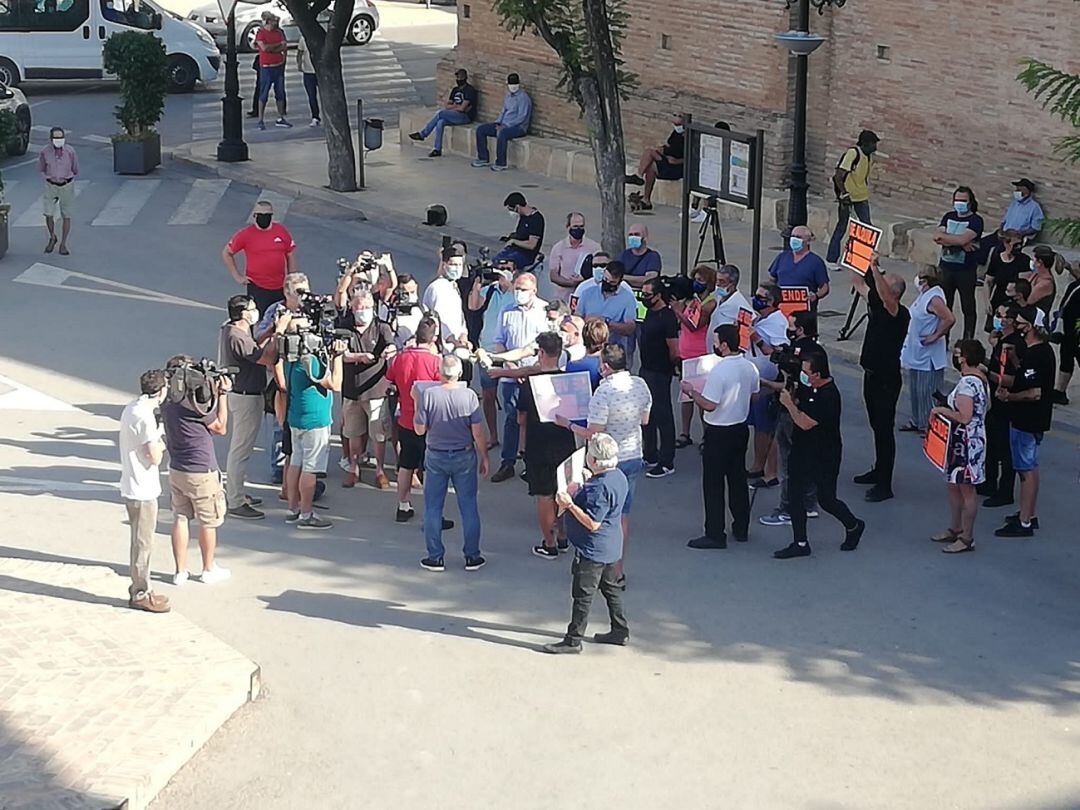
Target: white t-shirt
(139,479)
(442,298)
(730,384)
(727,311)
(619,404)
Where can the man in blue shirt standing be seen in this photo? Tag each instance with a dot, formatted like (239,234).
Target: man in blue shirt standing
(513,122)
(594,527)
(614,303)
(798,266)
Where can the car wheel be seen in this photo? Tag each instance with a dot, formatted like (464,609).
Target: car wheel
(247,41)
(361,30)
(21,142)
(9,74)
(183,73)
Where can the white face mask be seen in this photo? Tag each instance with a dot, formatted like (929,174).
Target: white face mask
(252,316)
(454,271)
(523,297)
(363,317)
(58,143)
(513,88)
(679,129)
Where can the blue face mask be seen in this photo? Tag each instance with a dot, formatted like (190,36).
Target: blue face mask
(721,291)
(960,206)
(804,379)
(758,303)
(1018,195)
(997,324)
(796,244)
(633,242)
(598,272)
(699,286)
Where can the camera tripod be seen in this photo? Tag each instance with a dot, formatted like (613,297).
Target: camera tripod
(711,225)
(848,329)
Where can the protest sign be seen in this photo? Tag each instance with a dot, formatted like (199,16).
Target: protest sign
(565,395)
(794,299)
(695,371)
(571,471)
(939,438)
(862,244)
(745,321)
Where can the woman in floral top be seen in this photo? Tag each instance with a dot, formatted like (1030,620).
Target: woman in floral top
(966,458)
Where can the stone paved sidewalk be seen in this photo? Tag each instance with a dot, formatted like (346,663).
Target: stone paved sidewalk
(99,704)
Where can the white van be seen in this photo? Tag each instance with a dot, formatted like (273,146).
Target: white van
(63,39)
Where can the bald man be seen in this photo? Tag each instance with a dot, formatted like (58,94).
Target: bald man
(798,266)
(270,253)
(639,261)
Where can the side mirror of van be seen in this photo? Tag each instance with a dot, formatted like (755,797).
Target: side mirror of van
(157,21)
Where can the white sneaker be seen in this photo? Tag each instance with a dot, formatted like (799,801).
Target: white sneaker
(214,575)
(698,215)
(315,122)
(180,578)
(345,465)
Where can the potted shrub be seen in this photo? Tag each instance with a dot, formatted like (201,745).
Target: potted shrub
(9,131)
(138,61)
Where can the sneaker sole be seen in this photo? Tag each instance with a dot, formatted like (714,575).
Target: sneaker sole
(245,517)
(549,558)
(314,528)
(433,568)
(475,567)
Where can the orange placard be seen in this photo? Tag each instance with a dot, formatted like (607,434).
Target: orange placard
(938,441)
(692,313)
(794,299)
(862,244)
(745,321)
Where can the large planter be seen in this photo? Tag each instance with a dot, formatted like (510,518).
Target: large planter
(5,211)
(137,157)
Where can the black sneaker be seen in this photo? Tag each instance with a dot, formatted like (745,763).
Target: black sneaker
(1059,398)
(1015,530)
(546,552)
(252,114)
(995,501)
(877,494)
(250,501)
(404,515)
(447,524)
(435,153)
(563,546)
(429,564)
(611,637)
(708,542)
(868,477)
(853,536)
(415,136)
(313,522)
(792,551)
(763,483)
(472,563)
(634,180)
(1015,518)
(246,511)
(504,473)
(660,471)
(562,647)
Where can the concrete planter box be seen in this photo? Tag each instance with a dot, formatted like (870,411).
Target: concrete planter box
(137,157)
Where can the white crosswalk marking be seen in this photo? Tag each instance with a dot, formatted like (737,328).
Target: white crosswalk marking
(281,203)
(33,215)
(199,204)
(127,202)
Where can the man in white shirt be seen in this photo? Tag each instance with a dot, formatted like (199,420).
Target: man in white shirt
(568,255)
(443,298)
(769,333)
(728,298)
(725,399)
(142,447)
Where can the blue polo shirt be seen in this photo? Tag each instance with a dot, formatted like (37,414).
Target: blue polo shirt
(602,499)
(810,271)
(619,307)
(1023,215)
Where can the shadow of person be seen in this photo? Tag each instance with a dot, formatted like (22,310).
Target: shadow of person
(28,586)
(373,613)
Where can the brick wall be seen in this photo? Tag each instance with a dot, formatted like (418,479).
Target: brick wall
(941,93)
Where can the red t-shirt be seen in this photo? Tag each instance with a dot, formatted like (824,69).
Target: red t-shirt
(265,252)
(275,37)
(411,365)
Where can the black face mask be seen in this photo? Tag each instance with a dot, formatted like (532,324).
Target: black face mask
(576,233)
(792,335)
(609,286)
(461,82)
(263,220)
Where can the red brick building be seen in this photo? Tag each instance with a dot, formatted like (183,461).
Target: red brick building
(935,80)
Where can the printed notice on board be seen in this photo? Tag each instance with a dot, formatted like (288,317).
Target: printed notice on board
(711,162)
(739,174)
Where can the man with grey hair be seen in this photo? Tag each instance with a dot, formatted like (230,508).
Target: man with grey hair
(449,414)
(594,527)
(568,255)
(270,253)
(728,298)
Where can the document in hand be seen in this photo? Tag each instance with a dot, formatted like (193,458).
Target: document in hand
(571,471)
(565,395)
(695,371)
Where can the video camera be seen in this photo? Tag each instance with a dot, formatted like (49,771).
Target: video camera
(787,359)
(366,266)
(316,333)
(196,383)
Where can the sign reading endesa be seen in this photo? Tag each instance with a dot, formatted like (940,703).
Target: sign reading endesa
(862,244)
(794,299)
(938,440)
(745,321)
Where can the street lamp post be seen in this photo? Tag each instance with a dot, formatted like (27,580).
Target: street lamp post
(232,148)
(801,43)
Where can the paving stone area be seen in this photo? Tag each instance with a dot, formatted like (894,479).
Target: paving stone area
(99,704)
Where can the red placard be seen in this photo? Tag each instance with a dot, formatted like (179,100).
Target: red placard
(745,321)
(862,244)
(794,299)
(938,441)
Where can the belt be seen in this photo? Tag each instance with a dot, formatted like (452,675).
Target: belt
(458,450)
(248,393)
(59,182)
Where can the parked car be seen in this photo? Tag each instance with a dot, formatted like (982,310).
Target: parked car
(13,100)
(362,27)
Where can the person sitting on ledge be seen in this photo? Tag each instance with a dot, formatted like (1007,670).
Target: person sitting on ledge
(513,122)
(660,162)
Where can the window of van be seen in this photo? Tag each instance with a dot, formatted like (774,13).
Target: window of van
(125,13)
(43,15)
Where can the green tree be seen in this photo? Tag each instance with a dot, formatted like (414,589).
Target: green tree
(138,61)
(587,37)
(1059,93)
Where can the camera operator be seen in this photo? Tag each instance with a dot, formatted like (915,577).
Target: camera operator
(803,339)
(365,407)
(238,348)
(490,300)
(443,298)
(816,453)
(194,476)
(376,275)
(308,383)
(406,311)
(769,333)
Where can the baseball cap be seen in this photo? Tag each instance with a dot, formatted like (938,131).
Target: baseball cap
(1023,182)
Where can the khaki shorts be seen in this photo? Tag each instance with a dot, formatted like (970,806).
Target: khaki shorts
(198,496)
(60,197)
(366,417)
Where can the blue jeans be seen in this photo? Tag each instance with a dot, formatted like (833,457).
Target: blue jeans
(275,456)
(508,395)
(519,256)
(443,119)
(311,87)
(843,214)
(443,467)
(273,76)
(632,469)
(502,138)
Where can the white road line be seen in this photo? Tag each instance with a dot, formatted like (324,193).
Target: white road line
(11,484)
(199,204)
(281,202)
(26,162)
(95,138)
(46,275)
(127,202)
(39,103)
(32,216)
(15,396)
(9,186)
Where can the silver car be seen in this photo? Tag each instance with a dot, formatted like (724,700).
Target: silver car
(362,27)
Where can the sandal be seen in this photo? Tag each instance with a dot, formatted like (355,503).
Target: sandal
(910,427)
(684,440)
(947,536)
(51,246)
(959,546)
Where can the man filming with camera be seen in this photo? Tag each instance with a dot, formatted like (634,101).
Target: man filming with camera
(196,411)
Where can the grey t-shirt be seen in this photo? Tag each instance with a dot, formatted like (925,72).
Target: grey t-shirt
(238,348)
(448,414)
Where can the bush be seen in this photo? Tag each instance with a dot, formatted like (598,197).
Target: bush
(8,131)
(138,61)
